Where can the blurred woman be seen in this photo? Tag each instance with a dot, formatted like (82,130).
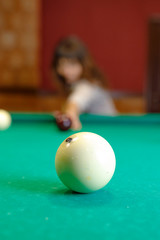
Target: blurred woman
(80,81)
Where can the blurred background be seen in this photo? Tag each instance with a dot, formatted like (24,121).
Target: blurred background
(123,36)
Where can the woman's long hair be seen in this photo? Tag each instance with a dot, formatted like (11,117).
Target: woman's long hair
(72,48)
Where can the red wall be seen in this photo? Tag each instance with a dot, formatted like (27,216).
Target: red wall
(114,30)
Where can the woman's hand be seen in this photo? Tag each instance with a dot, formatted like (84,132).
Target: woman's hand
(76,124)
(71,110)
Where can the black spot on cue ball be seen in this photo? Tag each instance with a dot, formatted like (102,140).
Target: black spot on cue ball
(68,140)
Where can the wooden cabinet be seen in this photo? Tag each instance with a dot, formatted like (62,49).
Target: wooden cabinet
(19,44)
(153,81)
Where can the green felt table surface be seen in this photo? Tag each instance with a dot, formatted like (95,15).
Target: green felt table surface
(34,204)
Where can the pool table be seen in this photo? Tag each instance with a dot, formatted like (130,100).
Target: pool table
(34,204)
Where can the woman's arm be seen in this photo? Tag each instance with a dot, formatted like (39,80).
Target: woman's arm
(78,102)
(72,111)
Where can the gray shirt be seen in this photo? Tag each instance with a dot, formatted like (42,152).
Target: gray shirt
(92,98)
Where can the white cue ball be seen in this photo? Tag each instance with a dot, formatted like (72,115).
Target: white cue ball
(5,120)
(85,162)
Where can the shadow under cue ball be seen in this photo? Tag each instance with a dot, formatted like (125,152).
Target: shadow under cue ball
(85,162)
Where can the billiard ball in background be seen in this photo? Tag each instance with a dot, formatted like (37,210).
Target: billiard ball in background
(85,162)
(63,121)
(5,119)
